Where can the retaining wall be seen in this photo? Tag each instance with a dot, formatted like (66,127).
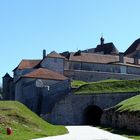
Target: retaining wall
(70,110)
(91,76)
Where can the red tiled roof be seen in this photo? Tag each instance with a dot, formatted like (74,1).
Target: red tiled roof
(45,74)
(94,58)
(27,64)
(99,58)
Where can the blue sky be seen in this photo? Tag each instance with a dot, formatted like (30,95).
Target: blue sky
(29,26)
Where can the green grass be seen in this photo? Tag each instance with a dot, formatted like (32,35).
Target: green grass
(77,83)
(109,86)
(24,123)
(129,105)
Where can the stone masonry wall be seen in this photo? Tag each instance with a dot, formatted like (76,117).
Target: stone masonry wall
(27,93)
(40,95)
(56,91)
(70,110)
(124,120)
(91,76)
(98,67)
(54,64)
(19,73)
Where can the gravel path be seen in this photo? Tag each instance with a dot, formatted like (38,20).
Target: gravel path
(85,133)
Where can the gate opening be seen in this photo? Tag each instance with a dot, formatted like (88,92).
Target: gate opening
(92,115)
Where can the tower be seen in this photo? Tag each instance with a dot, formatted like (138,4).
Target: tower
(44,53)
(7,81)
(102,40)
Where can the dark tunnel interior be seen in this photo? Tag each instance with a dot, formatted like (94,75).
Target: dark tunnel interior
(92,115)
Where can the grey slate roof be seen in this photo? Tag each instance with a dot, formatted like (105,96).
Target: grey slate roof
(107,48)
(131,51)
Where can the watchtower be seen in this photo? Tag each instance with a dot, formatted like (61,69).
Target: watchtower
(7,82)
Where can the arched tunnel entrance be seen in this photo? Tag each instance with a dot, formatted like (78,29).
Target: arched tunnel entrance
(92,115)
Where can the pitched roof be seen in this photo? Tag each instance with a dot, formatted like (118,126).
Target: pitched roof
(131,51)
(99,58)
(27,64)
(55,55)
(45,74)
(7,75)
(65,54)
(94,58)
(91,50)
(107,48)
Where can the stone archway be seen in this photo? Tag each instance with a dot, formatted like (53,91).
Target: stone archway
(92,115)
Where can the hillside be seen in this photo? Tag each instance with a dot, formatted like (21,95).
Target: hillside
(129,105)
(108,86)
(25,124)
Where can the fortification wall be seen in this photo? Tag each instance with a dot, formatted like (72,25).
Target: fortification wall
(124,120)
(91,76)
(70,110)
(133,70)
(93,67)
(27,93)
(98,67)
(40,95)
(52,95)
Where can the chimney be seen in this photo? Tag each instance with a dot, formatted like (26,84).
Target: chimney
(102,41)
(44,53)
(121,58)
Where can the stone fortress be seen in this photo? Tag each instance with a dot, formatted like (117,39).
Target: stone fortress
(44,85)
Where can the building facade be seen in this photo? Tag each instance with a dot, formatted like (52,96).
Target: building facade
(40,84)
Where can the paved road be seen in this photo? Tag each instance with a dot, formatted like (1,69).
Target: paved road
(85,133)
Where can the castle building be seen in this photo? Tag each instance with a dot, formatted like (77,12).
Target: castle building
(39,84)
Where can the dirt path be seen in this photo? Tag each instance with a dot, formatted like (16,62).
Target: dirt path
(86,133)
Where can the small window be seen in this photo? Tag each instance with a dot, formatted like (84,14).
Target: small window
(123,69)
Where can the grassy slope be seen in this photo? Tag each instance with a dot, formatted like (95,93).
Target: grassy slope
(25,124)
(109,86)
(77,83)
(130,105)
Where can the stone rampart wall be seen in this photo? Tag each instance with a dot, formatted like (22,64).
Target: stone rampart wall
(91,76)
(70,110)
(124,120)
